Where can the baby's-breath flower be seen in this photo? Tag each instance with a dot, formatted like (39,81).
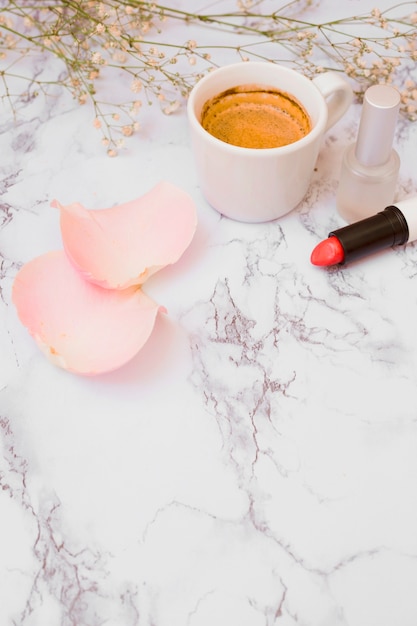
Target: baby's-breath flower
(172,107)
(136,105)
(95,36)
(115,30)
(245,5)
(136,85)
(101,10)
(119,56)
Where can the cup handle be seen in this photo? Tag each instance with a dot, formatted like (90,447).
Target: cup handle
(338,94)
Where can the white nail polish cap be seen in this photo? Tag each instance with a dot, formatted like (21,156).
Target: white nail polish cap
(377,125)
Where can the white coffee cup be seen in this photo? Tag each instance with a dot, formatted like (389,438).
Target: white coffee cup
(262,184)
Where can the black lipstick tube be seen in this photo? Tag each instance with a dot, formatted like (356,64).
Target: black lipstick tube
(383,230)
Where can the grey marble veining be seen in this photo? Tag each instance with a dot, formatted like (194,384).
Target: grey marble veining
(256,463)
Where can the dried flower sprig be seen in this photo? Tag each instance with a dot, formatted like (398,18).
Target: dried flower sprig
(132,45)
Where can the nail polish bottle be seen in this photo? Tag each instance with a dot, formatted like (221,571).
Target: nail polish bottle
(370,166)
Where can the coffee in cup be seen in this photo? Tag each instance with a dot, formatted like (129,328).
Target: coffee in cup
(255,116)
(258,185)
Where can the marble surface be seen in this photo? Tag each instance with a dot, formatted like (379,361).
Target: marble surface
(256,463)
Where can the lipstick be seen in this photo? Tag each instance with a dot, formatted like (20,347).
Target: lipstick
(395,225)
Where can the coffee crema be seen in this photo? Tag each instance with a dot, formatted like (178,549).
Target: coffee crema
(255,116)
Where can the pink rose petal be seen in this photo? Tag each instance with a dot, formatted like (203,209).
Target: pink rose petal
(124,245)
(80,326)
